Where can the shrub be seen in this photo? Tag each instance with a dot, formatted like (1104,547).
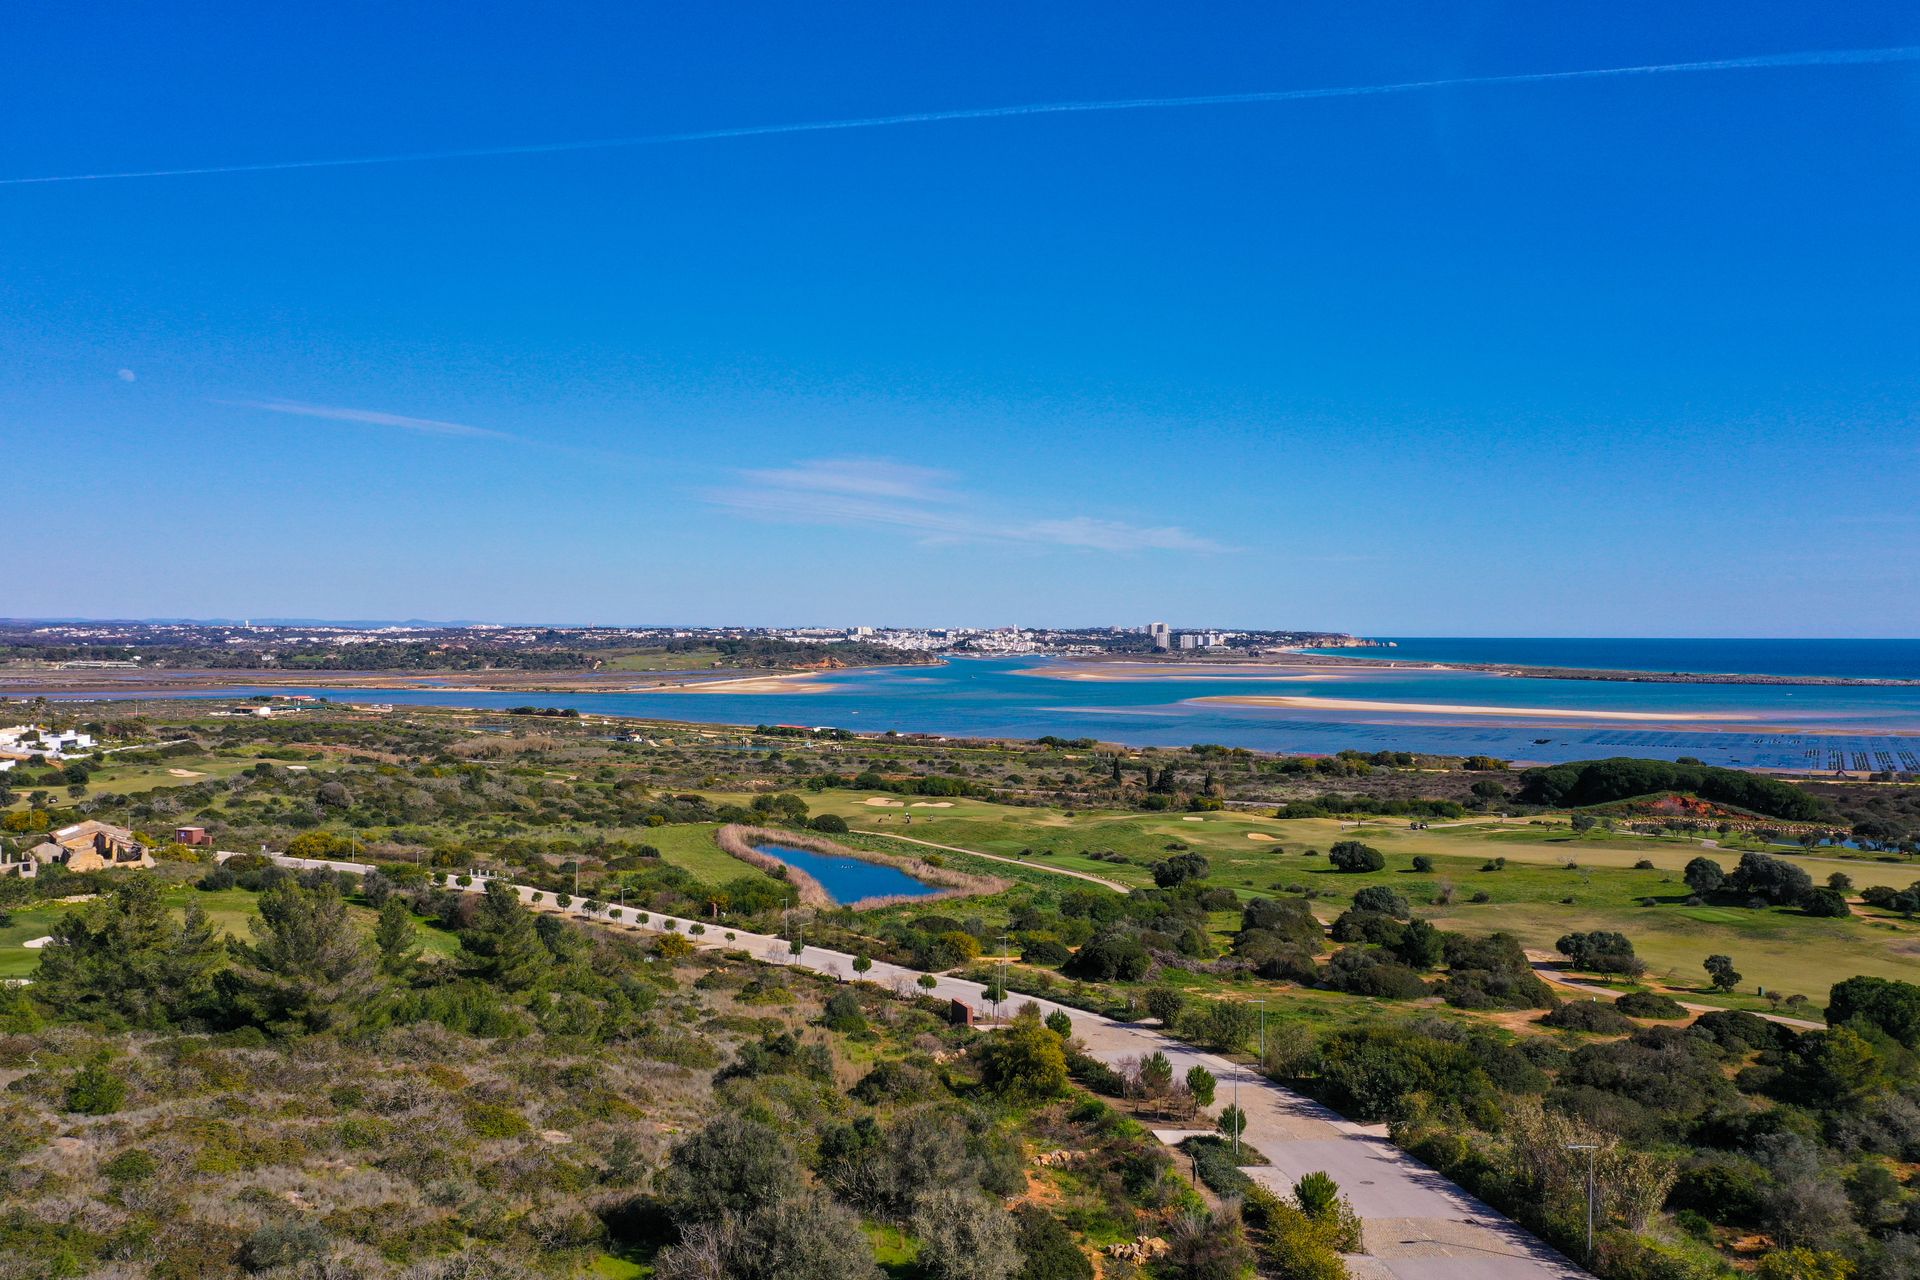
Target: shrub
(131,1165)
(494,1120)
(1045,951)
(1601,951)
(1354,857)
(283,1244)
(1596,1016)
(95,1091)
(1649,1004)
(1826,903)
(1048,1247)
(1109,957)
(1379,898)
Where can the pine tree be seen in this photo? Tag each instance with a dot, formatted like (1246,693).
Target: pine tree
(394,935)
(123,961)
(310,970)
(503,944)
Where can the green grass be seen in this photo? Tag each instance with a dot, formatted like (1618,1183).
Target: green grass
(34,922)
(232,912)
(661,660)
(1777,949)
(123,779)
(692,848)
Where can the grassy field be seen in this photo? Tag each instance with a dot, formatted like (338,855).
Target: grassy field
(1536,897)
(177,771)
(660,660)
(231,910)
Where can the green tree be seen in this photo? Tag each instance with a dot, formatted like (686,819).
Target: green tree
(1025,1062)
(1354,857)
(1165,1004)
(503,944)
(1156,1074)
(396,937)
(124,961)
(1232,1121)
(309,969)
(1721,973)
(1201,1083)
(731,1166)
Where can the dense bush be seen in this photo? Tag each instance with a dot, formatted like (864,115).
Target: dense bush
(1354,857)
(1591,782)
(1597,1016)
(1649,1004)
(1109,957)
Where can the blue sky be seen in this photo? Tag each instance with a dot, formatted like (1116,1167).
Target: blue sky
(1634,355)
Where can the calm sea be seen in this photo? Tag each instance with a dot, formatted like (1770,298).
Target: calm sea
(1856,659)
(1765,726)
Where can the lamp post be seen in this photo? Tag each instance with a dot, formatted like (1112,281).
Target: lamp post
(1589,1148)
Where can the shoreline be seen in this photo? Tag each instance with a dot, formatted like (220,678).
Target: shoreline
(738,840)
(1296,659)
(1308,703)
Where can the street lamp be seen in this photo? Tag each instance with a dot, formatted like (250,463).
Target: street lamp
(1589,1148)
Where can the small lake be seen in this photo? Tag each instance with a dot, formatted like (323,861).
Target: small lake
(849,879)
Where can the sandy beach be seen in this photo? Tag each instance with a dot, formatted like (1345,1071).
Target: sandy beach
(1461,709)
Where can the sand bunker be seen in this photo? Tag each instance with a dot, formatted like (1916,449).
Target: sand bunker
(185,773)
(880,802)
(933,804)
(1462,709)
(1261,836)
(34,944)
(1193,819)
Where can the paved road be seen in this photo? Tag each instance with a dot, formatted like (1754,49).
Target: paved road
(1417,1225)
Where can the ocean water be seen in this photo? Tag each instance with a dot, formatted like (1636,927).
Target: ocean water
(850,879)
(1755,726)
(1853,659)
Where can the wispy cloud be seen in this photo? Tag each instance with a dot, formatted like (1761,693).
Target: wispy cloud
(371,417)
(876,493)
(1760,62)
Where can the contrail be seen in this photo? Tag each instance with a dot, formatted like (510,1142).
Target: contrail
(1818,58)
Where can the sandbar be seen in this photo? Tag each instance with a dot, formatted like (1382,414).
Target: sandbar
(1463,709)
(790,682)
(1171,671)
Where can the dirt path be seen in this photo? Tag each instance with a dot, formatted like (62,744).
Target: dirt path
(1088,876)
(1548,971)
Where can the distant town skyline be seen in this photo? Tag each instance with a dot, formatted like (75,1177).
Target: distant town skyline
(1527,346)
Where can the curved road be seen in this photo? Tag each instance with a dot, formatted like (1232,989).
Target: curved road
(1418,1225)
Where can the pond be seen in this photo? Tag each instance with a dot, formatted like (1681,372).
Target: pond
(849,879)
